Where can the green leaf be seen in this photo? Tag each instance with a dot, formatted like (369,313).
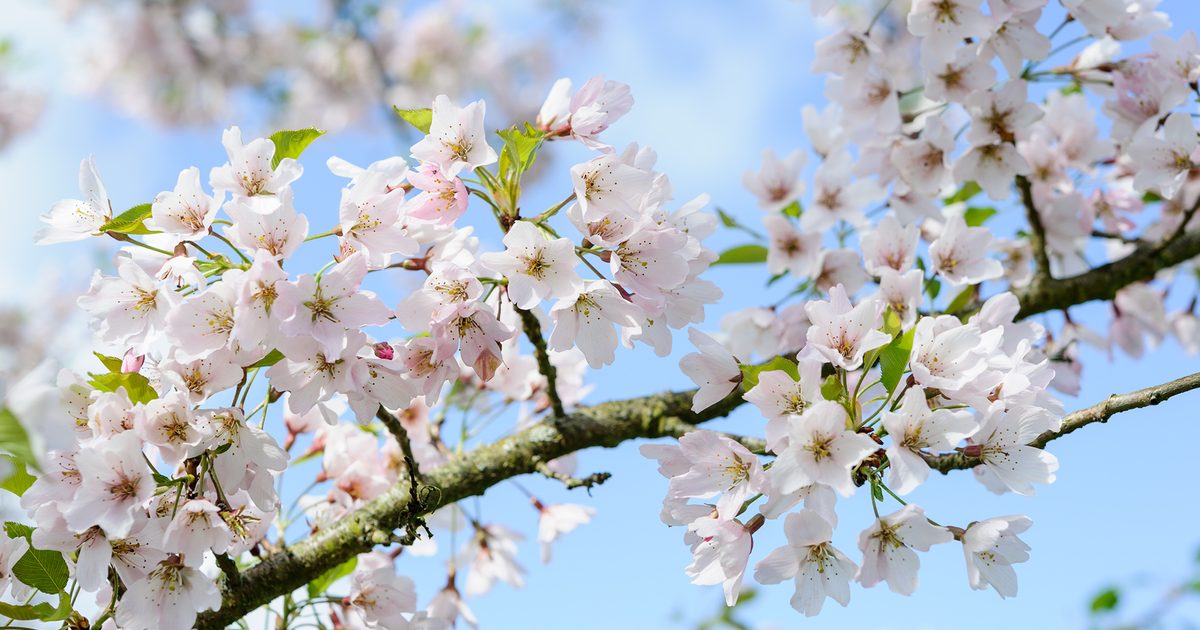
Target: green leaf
(42,612)
(132,221)
(17,530)
(1151,197)
(318,586)
(729,221)
(961,300)
(876,491)
(1105,601)
(1074,88)
(137,387)
(831,388)
(933,287)
(112,363)
(793,209)
(273,357)
(20,479)
(975,217)
(743,254)
(968,190)
(291,143)
(42,569)
(14,440)
(894,359)
(750,373)
(419,118)
(520,149)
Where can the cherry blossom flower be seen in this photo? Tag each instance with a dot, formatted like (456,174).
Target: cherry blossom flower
(820,450)
(168,598)
(1002,445)
(779,397)
(77,219)
(597,104)
(887,547)
(959,254)
(585,320)
(187,212)
(442,199)
(491,555)
(713,369)
(778,182)
(791,250)
(369,219)
(478,335)
(537,268)
(842,333)
(947,354)
(914,428)
(819,569)
(1163,165)
(249,176)
(923,162)
(889,245)
(115,482)
(457,139)
(382,597)
(126,309)
(280,231)
(717,465)
(720,550)
(334,304)
(606,186)
(203,322)
(559,519)
(901,292)
(991,547)
(197,528)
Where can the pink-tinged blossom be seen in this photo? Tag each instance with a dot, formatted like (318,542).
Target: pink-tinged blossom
(841,332)
(585,320)
(429,374)
(924,162)
(392,171)
(819,569)
(791,250)
(491,556)
(720,550)
(942,25)
(993,167)
(167,424)
(651,261)
(596,105)
(126,309)
(442,199)
(333,305)
(203,322)
(369,220)
(473,327)
(457,138)
(115,482)
(948,355)
(1119,19)
(279,232)
(196,529)
(168,599)
(901,292)
(77,219)
(1164,164)
(717,465)
(750,331)
(264,300)
(606,186)
(959,254)
(887,547)
(1014,38)
(991,547)
(187,212)
(915,428)
(311,374)
(381,597)
(201,378)
(559,519)
(820,450)
(889,245)
(838,195)
(1002,444)
(848,53)
(778,397)
(537,268)
(713,369)
(777,183)
(446,287)
(958,77)
(249,176)
(11,550)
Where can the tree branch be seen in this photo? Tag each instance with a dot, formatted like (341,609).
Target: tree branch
(1100,412)
(1103,282)
(533,330)
(606,425)
(1037,232)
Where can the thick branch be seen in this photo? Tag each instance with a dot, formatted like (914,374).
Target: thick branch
(606,425)
(1100,412)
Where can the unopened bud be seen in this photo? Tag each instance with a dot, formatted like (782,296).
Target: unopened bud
(132,363)
(384,350)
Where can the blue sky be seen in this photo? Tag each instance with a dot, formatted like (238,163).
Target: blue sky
(715,83)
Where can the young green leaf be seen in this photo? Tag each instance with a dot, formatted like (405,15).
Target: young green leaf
(520,149)
(750,373)
(14,439)
(43,569)
(291,143)
(975,217)
(112,363)
(968,190)
(961,300)
(1105,601)
(273,357)
(137,387)
(894,359)
(42,611)
(132,221)
(743,254)
(19,480)
(729,221)
(317,587)
(419,118)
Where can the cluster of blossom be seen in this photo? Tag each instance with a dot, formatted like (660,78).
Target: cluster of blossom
(181,62)
(170,479)
(920,122)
